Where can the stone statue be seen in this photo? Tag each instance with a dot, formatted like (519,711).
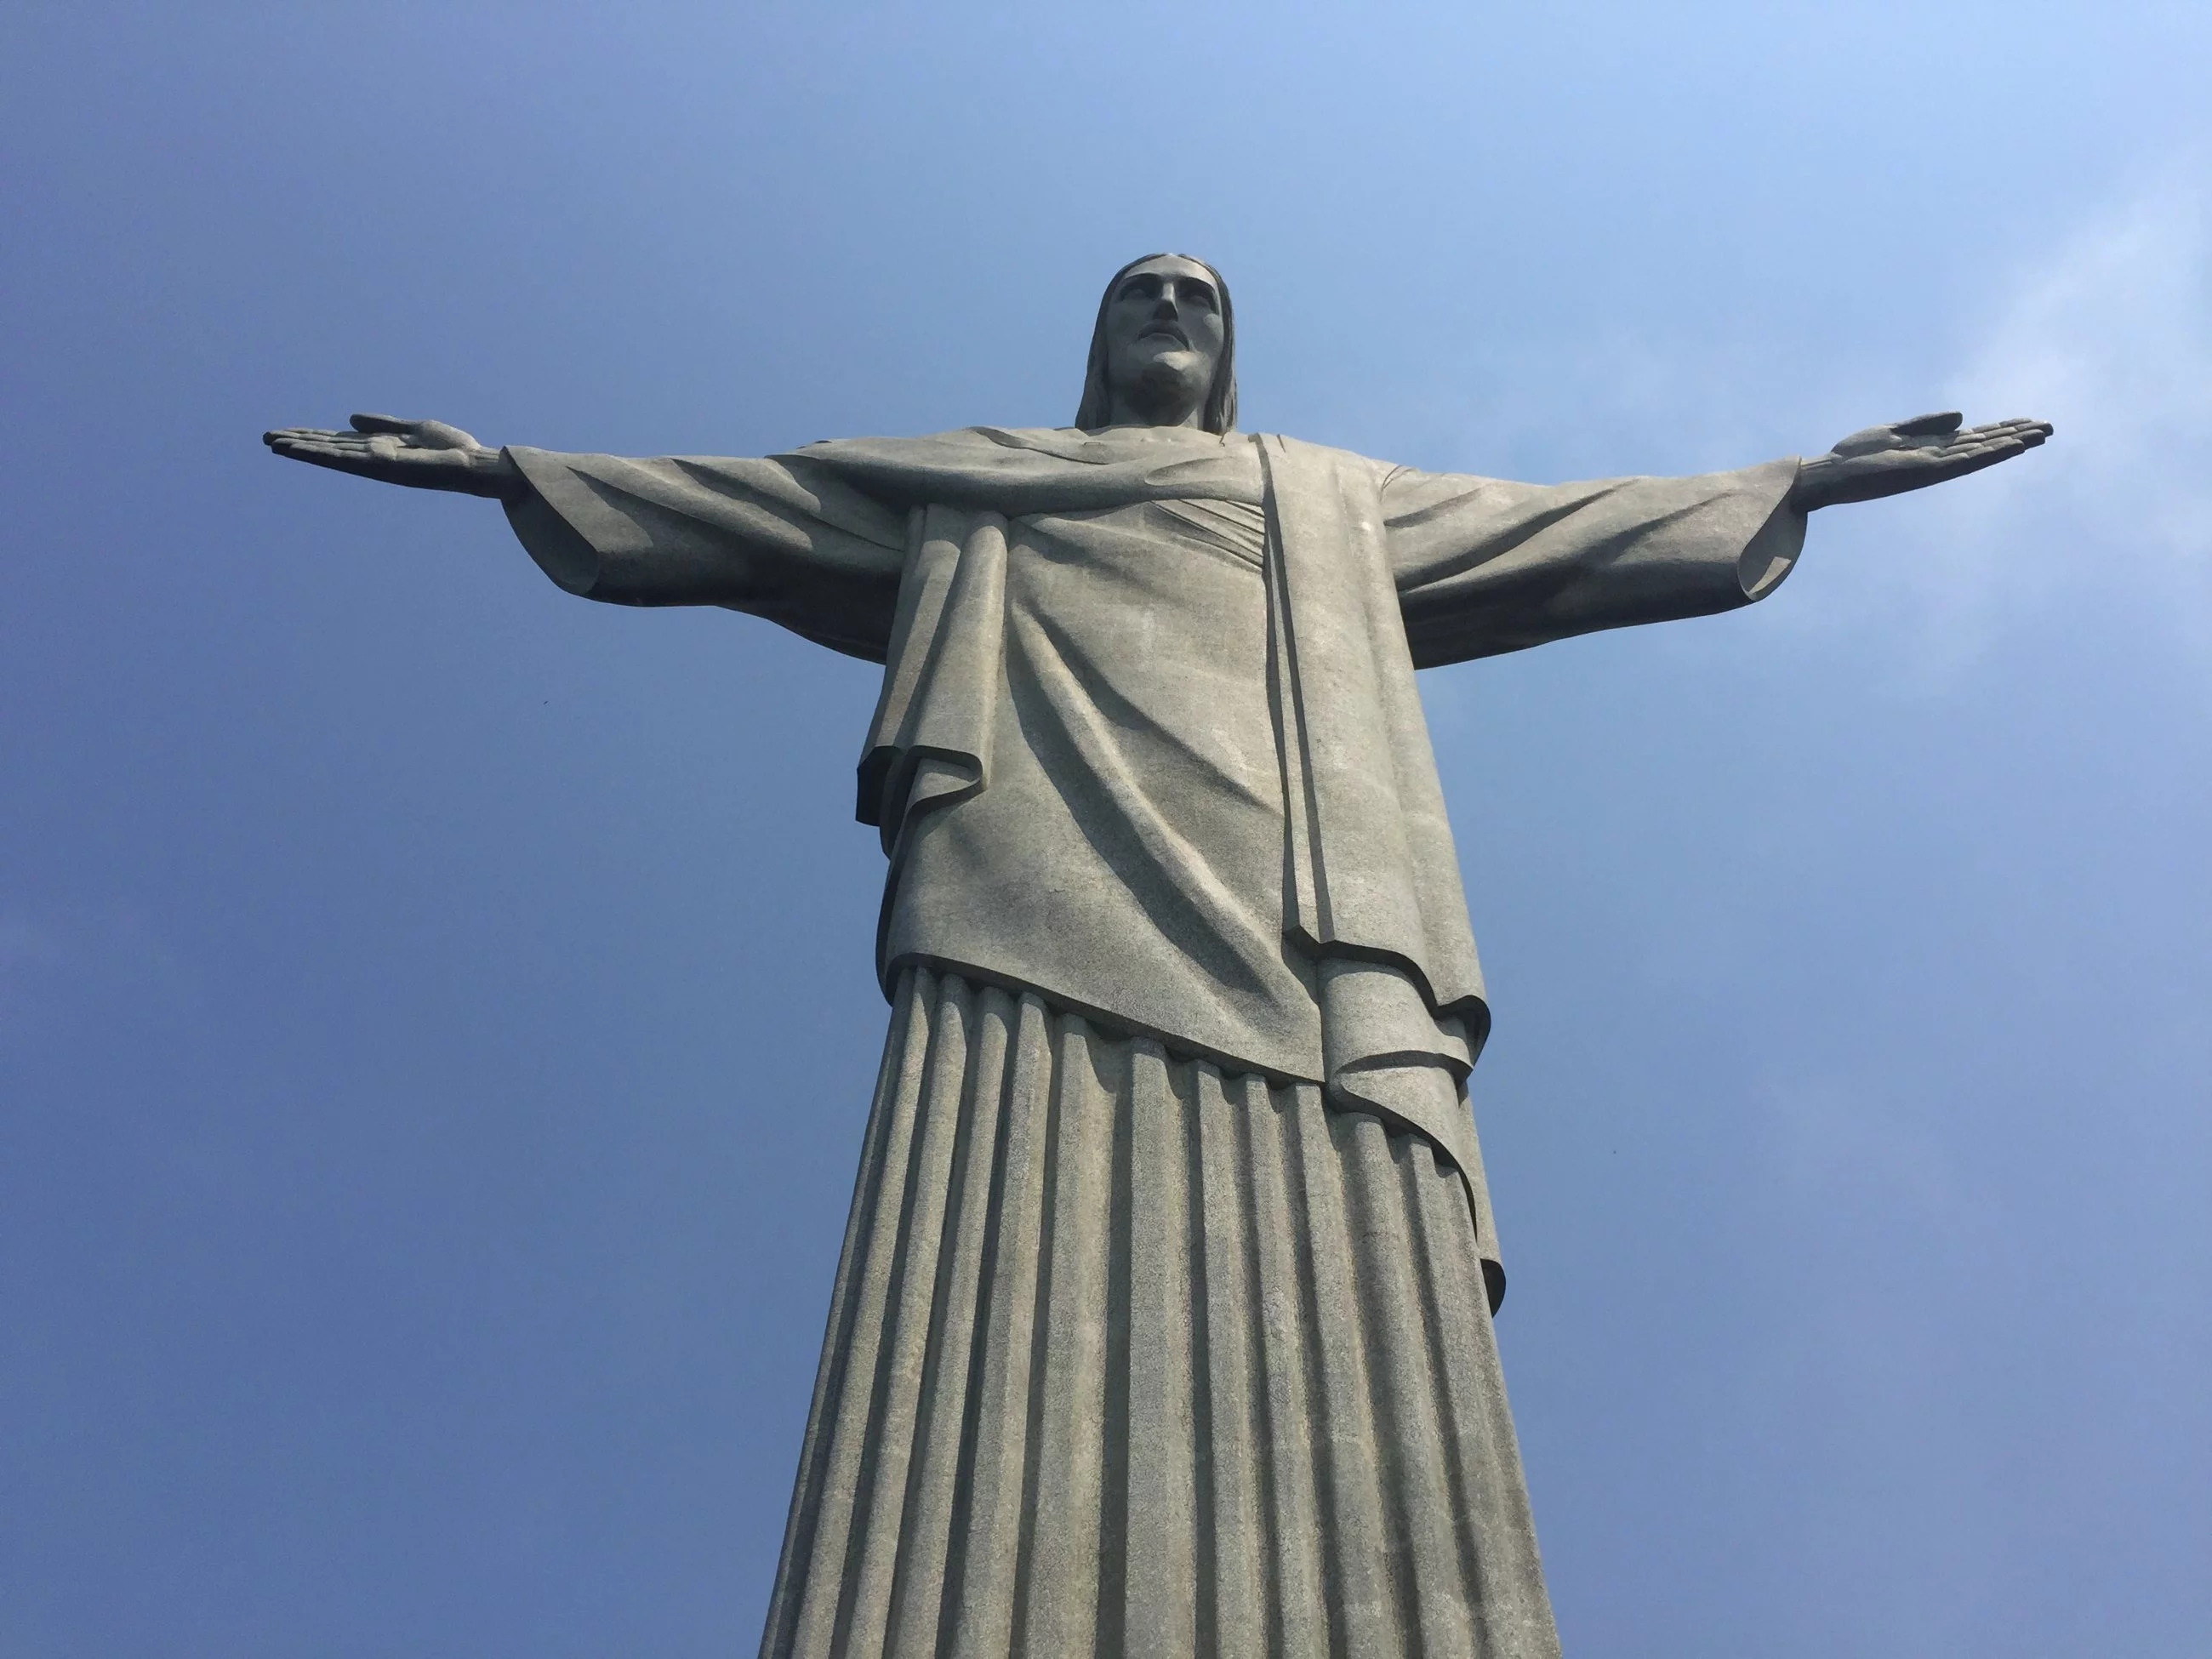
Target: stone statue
(1162,1324)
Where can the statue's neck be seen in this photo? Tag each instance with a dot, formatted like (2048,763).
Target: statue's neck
(1173,409)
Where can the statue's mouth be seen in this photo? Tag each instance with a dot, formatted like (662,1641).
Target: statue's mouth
(1166,331)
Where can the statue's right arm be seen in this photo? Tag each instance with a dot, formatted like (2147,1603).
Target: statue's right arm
(780,538)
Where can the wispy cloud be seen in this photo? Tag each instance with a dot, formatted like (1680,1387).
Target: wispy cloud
(2110,337)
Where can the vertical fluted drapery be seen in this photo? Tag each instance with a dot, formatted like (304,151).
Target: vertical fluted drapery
(1127,1357)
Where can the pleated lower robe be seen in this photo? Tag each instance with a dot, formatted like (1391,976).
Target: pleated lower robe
(1130,1357)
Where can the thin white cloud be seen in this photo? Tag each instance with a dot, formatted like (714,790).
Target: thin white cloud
(2110,337)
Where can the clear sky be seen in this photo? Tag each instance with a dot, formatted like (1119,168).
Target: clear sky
(435,1013)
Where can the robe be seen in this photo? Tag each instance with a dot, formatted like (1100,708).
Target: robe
(1162,1320)
(1149,741)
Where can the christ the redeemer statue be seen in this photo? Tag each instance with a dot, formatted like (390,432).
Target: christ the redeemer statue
(1162,1325)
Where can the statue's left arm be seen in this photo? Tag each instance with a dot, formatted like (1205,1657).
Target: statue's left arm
(784,538)
(779,538)
(1484,566)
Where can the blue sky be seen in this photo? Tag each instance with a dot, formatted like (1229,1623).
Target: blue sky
(436,1015)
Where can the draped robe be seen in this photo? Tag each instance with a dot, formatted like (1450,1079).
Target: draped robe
(1165,839)
(1076,695)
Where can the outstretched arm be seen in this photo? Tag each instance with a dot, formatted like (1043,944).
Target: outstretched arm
(421,454)
(783,537)
(1889,461)
(1484,566)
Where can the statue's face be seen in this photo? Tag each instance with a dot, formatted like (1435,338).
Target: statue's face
(1163,340)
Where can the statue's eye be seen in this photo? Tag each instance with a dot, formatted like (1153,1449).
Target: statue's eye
(1141,287)
(1198,293)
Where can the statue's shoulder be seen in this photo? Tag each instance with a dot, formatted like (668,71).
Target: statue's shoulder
(987,467)
(989,448)
(1284,443)
(1105,446)
(1303,458)
(973,439)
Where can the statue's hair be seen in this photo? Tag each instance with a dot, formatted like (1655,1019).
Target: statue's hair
(1219,414)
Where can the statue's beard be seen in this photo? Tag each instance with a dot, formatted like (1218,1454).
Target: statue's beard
(1166,390)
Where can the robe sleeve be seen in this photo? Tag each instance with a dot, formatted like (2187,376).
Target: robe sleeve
(1483,566)
(781,539)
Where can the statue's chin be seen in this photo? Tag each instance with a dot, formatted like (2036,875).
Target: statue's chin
(1166,388)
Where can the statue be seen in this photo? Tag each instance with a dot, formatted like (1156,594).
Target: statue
(1162,1324)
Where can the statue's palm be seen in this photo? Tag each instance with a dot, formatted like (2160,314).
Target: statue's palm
(1889,461)
(423,454)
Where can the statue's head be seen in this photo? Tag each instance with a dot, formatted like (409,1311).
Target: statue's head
(1165,350)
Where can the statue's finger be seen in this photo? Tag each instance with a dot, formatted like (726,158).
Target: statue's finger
(1930,426)
(1976,436)
(1866,441)
(1988,455)
(314,447)
(389,424)
(344,460)
(2026,433)
(1958,466)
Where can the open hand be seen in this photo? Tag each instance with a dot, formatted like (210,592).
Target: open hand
(1889,461)
(422,454)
